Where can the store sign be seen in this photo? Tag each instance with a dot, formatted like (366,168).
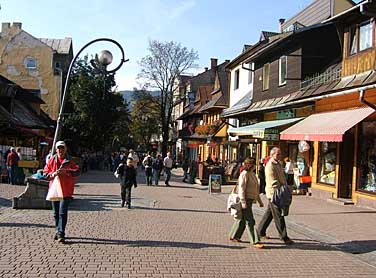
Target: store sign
(285,114)
(258,133)
(271,134)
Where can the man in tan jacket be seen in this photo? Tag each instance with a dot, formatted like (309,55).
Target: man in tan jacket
(275,177)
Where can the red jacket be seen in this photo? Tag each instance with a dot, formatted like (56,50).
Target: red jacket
(12,158)
(67,180)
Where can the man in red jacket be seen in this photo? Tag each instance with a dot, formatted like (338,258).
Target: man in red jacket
(12,163)
(62,166)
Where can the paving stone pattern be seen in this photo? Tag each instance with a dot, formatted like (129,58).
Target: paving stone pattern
(177,231)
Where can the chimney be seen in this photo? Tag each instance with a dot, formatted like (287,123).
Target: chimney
(281,21)
(17,25)
(5,27)
(206,68)
(213,62)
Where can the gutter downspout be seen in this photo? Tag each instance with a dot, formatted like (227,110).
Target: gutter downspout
(362,100)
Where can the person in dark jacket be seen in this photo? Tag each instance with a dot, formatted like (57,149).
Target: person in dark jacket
(127,174)
(157,168)
(261,176)
(185,167)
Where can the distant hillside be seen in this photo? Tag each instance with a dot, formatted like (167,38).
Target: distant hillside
(128,96)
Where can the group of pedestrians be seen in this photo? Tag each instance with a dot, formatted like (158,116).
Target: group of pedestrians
(154,164)
(249,192)
(61,165)
(9,161)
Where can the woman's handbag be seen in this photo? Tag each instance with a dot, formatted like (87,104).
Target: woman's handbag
(233,203)
(55,193)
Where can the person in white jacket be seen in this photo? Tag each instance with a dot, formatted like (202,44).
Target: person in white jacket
(248,191)
(132,154)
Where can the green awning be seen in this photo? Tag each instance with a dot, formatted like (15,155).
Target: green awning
(262,129)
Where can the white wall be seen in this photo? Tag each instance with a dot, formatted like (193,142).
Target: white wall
(244,87)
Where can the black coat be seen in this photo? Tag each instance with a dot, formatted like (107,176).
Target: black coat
(127,175)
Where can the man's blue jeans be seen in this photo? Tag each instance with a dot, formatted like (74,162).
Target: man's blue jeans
(156,175)
(168,175)
(13,174)
(60,209)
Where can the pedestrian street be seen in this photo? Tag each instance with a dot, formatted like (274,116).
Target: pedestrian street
(176,231)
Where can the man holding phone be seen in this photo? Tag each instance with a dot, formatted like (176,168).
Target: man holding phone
(60,165)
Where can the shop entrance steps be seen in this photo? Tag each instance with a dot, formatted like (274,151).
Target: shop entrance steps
(342,201)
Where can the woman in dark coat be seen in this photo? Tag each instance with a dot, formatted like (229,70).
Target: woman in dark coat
(261,176)
(127,174)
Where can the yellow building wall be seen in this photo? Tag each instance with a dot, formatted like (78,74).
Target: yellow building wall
(14,49)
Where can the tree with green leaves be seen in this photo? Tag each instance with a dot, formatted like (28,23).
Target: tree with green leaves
(161,69)
(145,113)
(95,114)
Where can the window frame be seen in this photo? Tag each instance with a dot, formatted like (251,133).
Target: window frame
(355,34)
(236,79)
(265,77)
(250,73)
(280,71)
(321,159)
(30,59)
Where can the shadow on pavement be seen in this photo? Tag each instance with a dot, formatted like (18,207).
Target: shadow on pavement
(182,210)
(357,246)
(94,204)
(338,212)
(26,225)
(148,243)
(5,202)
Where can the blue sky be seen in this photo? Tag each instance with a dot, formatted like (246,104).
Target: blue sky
(215,28)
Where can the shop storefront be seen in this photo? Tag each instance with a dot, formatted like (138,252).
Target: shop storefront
(344,152)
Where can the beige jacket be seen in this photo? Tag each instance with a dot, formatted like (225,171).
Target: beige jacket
(248,187)
(274,176)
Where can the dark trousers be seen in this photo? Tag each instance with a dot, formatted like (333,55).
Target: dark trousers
(126,192)
(273,212)
(149,175)
(13,174)
(246,222)
(60,209)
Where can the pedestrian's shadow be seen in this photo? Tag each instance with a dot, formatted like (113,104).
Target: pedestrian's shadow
(182,210)
(25,225)
(147,243)
(357,246)
(353,247)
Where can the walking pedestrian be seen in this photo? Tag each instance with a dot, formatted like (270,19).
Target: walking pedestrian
(66,169)
(132,154)
(148,164)
(185,167)
(275,178)
(167,163)
(157,168)
(289,171)
(248,192)
(12,165)
(127,174)
(261,176)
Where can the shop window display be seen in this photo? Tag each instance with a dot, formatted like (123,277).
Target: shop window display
(327,162)
(367,157)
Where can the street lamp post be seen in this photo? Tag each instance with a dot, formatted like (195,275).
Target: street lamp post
(104,59)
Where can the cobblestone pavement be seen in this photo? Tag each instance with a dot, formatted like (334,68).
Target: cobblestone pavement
(177,231)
